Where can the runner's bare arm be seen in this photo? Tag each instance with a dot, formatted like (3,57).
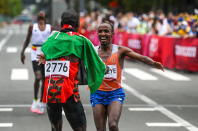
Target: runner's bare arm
(125,51)
(26,43)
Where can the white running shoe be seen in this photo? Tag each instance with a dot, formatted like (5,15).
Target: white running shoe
(34,106)
(41,108)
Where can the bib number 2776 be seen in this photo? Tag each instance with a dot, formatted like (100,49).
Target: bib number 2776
(57,68)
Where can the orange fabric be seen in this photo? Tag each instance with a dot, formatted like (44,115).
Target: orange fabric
(52,84)
(34,48)
(112,84)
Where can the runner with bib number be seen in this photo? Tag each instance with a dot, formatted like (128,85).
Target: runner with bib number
(107,101)
(63,52)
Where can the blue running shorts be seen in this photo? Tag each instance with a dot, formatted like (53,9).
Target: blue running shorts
(106,97)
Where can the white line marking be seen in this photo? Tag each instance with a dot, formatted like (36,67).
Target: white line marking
(19,74)
(28,50)
(11,50)
(6,124)
(6,109)
(171,75)
(63,113)
(164,124)
(143,109)
(140,74)
(14,106)
(2,42)
(163,110)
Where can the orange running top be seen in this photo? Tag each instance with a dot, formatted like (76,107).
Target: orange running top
(112,79)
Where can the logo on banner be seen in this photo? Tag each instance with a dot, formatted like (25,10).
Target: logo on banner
(188,51)
(153,46)
(134,44)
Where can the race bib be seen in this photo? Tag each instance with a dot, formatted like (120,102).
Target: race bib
(112,72)
(57,68)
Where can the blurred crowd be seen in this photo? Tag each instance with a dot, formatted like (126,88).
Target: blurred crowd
(177,25)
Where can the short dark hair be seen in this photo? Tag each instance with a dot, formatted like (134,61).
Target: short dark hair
(70,17)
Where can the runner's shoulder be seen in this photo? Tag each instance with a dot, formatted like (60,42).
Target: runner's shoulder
(123,47)
(123,50)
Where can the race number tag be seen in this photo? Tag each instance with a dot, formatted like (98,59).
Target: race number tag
(112,73)
(57,68)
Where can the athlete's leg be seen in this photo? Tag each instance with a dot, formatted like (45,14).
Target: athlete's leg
(114,112)
(54,111)
(75,114)
(36,88)
(42,79)
(38,78)
(100,116)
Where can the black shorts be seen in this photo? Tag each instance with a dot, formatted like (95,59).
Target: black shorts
(74,112)
(37,67)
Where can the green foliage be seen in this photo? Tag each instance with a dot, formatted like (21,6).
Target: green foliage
(140,6)
(10,7)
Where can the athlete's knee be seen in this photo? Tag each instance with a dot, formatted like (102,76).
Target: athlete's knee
(113,126)
(38,75)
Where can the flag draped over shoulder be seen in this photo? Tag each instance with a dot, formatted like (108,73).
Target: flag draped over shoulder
(61,44)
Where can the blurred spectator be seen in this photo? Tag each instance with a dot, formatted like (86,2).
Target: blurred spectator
(143,28)
(176,25)
(132,23)
(195,26)
(184,29)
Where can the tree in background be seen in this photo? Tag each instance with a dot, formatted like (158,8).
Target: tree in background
(10,8)
(140,6)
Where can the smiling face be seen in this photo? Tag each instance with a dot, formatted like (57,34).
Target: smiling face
(105,34)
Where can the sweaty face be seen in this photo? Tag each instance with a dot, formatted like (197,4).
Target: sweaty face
(105,34)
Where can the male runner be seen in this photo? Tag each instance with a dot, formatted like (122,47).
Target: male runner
(37,33)
(108,99)
(63,51)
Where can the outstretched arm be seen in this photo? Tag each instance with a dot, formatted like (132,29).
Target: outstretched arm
(26,43)
(130,53)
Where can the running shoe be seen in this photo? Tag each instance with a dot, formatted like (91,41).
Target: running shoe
(41,108)
(34,106)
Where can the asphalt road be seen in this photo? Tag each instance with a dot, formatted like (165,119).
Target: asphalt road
(155,101)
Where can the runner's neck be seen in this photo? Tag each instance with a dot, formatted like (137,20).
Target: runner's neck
(106,47)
